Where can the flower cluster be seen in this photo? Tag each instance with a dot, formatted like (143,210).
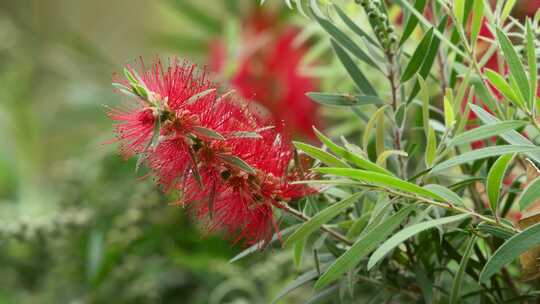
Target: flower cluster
(268,70)
(230,164)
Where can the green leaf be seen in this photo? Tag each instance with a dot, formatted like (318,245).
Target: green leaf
(417,57)
(356,29)
(325,157)
(412,21)
(459,10)
(449,117)
(408,232)
(381,160)
(362,247)
(379,135)
(502,86)
(482,153)
(237,162)
(508,6)
(483,92)
(299,282)
(208,133)
(343,100)
(431,148)
(458,278)
(530,194)
(495,178)
(430,56)
(532,62)
(298,253)
(380,180)
(257,247)
(199,95)
(447,194)
(496,231)
(476,25)
(514,63)
(245,134)
(486,131)
(123,89)
(425,104)
(439,32)
(321,218)
(512,137)
(344,40)
(362,83)
(511,250)
(369,126)
(349,156)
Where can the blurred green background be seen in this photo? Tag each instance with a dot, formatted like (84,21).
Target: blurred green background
(77,224)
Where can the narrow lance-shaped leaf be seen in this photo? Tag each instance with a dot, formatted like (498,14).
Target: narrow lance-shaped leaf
(530,194)
(439,32)
(381,160)
(408,232)
(514,64)
(237,162)
(298,253)
(482,153)
(350,156)
(430,57)
(417,57)
(431,148)
(412,21)
(447,194)
(379,135)
(511,250)
(532,61)
(256,247)
(495,178)
(507,9)
(486,131)
(369,126)
(344,40)
(512,137)
(354,71)
(321,218)
(458,278)
(208,133)
(449,117)
(321,155)
(361,248)
(343,100)
(502,86)
(425,104)
(476,25)
(355,28)
(459,10)
(380,180)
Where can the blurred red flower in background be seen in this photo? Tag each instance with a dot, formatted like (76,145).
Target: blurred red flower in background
(268,71)
(526,8)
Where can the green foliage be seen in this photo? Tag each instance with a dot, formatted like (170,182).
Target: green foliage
(435,203)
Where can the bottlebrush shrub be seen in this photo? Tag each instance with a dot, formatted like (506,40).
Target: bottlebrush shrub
(409,206)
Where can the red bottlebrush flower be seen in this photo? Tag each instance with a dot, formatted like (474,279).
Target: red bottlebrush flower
(526,8)
(231,168)
(242,204)
(268,72)
(133,128)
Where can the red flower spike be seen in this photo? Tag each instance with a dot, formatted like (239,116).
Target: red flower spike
(202,154)
(133,128)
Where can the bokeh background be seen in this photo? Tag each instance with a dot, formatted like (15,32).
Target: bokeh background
(77,224)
